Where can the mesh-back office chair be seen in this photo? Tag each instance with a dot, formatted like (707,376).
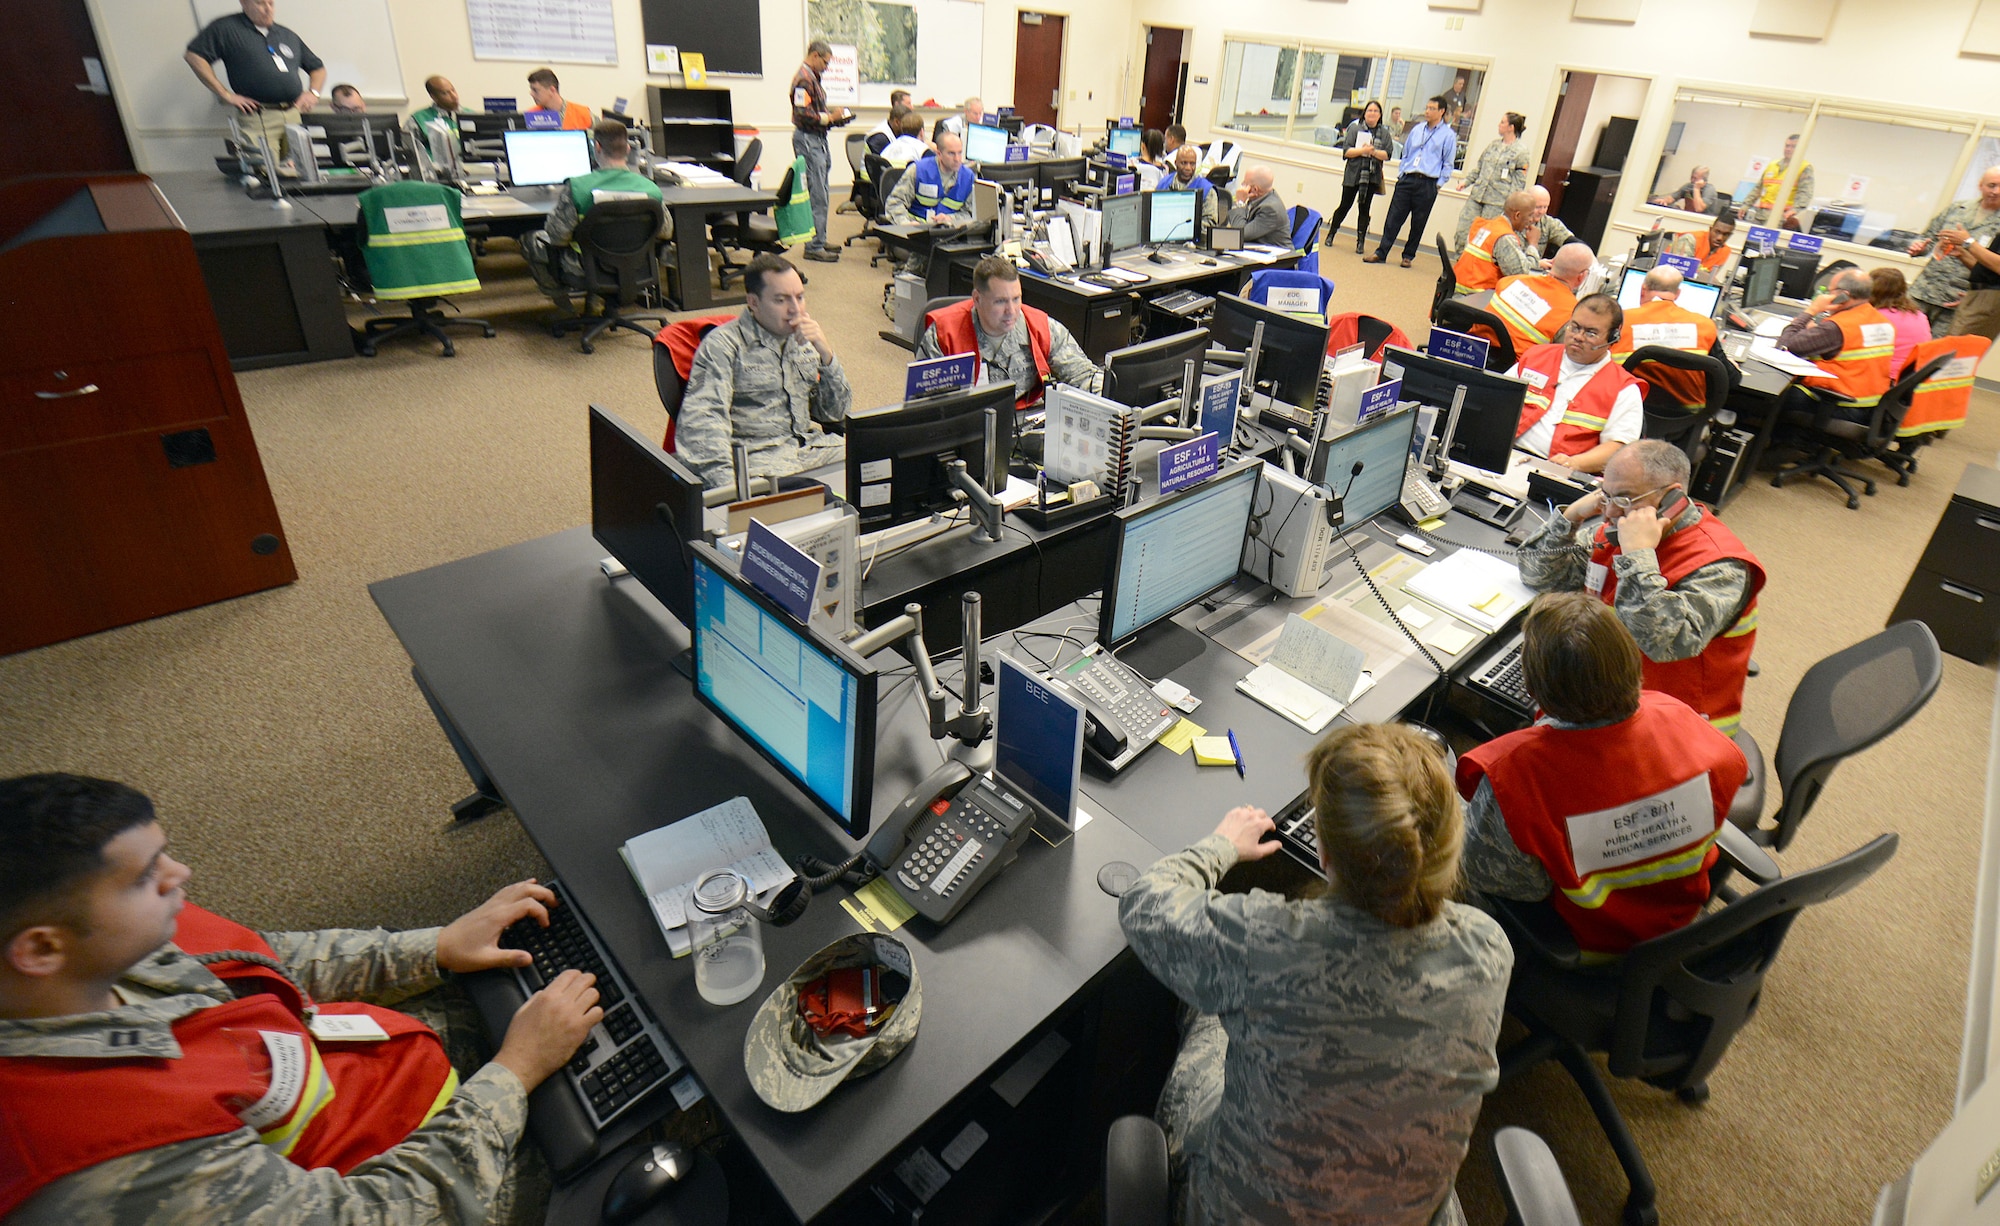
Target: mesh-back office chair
(891,176)
(1459,316)
(1675,410)
(1317,295)
(1447,282)
(721,234)
(1824,277)
(417,255)
(621,265)
(759,231)
(857,150)
(1350,327)
(878,170)
(1823,440)
(1531,1183)
(1305,237)
(1667,1012)
(1939,403)
(673,361)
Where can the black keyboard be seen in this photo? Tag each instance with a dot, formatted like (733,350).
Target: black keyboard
(626,1056)
(1501,677)
(1297,834)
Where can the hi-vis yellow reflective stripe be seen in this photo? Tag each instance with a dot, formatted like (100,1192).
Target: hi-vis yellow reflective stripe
(1727,725)
(284,1135)
(444,1096)
(419,238)
(436,289)
(1744,624)
(1596,889)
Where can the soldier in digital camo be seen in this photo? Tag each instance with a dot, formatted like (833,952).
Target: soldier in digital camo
(161,1064)
(1337,1048)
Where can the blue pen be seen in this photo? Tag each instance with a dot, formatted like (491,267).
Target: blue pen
(1238,751)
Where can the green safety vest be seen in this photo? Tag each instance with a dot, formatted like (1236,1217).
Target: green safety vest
(610,179)
(431,114)
(794,217)
(415,243)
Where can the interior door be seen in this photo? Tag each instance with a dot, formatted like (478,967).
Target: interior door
(1159,101)
(58,120)
(1565,132)
(1038,54)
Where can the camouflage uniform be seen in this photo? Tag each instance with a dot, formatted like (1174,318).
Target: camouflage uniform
(1007,359)
(1501,171)
(1944,279)
(1554,235)
(1335,1064)
(1513,258)
(768,391)
(1668,623)
(465,1165)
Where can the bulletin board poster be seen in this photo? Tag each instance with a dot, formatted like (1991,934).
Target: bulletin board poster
(842,78)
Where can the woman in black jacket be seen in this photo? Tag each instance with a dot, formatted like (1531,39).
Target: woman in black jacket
(1364,145)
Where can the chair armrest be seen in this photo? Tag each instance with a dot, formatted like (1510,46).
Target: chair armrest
(1536,926)
(1137,1191)
(1530,1180)
(1745,856)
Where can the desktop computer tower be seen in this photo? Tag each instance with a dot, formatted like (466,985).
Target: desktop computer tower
(1726,449)
(911,295)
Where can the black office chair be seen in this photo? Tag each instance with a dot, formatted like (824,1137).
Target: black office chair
(1459,316)
(1666,417)
(1844,704)
(759,231)
(721,234)
(862,190)
(1822,440)
(1447,282)
(1220,176)
(880,180)
(621,266)
(1137,1188)
(1530,1181)
(891,176)
(1824,277)
(1667,1012)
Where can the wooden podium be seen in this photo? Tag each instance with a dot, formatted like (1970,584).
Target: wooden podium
(130,485)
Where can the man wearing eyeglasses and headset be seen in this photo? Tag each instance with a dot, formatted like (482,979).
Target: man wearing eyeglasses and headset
(1681,581)
(1581,406)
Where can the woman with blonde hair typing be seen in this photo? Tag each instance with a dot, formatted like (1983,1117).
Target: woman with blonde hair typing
(1338,1047)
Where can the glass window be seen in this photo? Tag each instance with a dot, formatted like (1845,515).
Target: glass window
(1256,93)
(1307,94)
(1719,150)
(1872,176)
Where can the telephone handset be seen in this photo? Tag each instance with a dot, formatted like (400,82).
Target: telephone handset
(1044,262)
(1669,507)
(952,834)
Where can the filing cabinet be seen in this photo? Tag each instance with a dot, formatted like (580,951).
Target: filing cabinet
(1956,588)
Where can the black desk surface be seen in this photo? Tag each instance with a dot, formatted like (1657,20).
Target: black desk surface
(210,203)
(560,682)
(1186,271)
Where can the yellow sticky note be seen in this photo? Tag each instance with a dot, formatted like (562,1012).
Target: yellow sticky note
(1450,639)
(886,907)
(1181,735)
(1488,600)
(1213,751)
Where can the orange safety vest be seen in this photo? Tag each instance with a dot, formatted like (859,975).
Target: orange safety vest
(1534,306)
(1584,417)
(1861,369)
(1622,817)
(1475,269)
(958,334)
(1939,401)
(252,1061)
(1669,325)
(1711,258)
(1710,681)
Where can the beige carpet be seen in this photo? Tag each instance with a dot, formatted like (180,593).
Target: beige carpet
(301,774)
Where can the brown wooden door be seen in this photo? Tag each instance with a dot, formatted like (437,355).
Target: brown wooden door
(1565,132)
(1158,103)
(1038,53)
(51,124)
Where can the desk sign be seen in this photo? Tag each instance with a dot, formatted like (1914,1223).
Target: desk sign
(501,104)
(777,568)
(1763,237)
(1809,243)
(1118,160)
(1458,347)
(936,376)
(1017,153)
(1378,400)
(1687,264)
(543,121)
(1189,463)
(1220,394)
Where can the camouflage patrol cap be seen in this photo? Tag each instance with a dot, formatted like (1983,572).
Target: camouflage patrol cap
(793,1068)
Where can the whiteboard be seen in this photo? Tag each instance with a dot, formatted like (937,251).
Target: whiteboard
(353,37)
(951,40)
(543,31)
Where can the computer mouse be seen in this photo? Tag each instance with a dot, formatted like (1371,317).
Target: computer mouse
(645,1180)
(1210,263)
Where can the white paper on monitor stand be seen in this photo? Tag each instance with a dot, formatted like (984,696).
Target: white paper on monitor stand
(668,861)
(1476,588)
(1309,665)
(1062,241)
(1767,352)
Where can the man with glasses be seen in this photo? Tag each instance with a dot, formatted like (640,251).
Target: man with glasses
(1681,581)
(1581,406)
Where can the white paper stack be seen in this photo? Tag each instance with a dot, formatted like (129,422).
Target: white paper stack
(1476,588)
(667,862)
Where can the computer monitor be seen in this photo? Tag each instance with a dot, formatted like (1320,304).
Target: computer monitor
(804,702)
(343,133)
(645,509)
(896,456)
(1058,174)
(1172,551)
(1170,217)
(1121,222)
(1294,348)
(1037,741)
(538,159)
(1796,271)
(1694,296)
(1128,141)
(1012,123)
(1490,418)
(628,120)
(985,143)
(480,132)
(1142,374)
(1382,450)
(1761,280)
(1011,175)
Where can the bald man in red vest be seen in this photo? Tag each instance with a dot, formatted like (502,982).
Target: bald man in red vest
(160,1063)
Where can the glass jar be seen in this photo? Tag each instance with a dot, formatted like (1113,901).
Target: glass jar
(728,942)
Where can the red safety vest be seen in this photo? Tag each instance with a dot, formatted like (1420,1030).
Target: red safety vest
(957,333)
(1587,412)
(1670,325)
(1622,817)
(682,339)
(1710,681)
(1861,370)
(251,1061)
(1475,269)
(1939,401)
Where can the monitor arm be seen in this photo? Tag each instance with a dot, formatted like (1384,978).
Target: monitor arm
(986,508)
(973,721)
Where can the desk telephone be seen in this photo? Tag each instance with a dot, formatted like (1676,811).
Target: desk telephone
(1121,713)
(951,835)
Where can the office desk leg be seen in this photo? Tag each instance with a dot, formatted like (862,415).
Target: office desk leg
(691,262)
(486,797)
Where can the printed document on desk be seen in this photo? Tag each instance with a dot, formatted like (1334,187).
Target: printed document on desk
(667,862)
(1767,352)
(1309,665)
(1476,588)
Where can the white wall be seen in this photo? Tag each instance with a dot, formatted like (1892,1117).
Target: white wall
(1610,96)
(174,124)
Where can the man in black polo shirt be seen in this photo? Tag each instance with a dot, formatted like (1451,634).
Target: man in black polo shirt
(264,61)
(811,117)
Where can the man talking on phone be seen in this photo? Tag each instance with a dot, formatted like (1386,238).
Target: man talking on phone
(1681,581)
(1844,335)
